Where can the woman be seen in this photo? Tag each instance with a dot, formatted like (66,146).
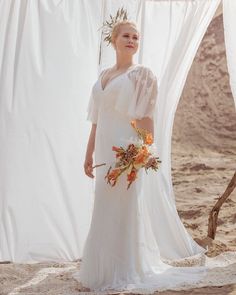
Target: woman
(122,250)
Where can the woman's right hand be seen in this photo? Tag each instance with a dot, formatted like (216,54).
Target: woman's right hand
(88,166)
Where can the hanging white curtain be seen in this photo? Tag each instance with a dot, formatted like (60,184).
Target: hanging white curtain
(179,27)
(229,13)
(49,54)
(49,61)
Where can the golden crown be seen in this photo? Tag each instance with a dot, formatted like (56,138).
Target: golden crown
(108,25)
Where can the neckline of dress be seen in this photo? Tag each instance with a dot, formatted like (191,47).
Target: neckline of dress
(109,82)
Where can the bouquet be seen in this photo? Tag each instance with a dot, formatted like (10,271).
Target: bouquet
(138,154)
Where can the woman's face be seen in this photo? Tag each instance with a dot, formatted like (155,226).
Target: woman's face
(127,40)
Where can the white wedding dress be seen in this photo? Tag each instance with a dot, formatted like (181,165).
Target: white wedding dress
(136,240)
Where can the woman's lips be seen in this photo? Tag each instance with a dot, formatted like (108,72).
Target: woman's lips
(130,46)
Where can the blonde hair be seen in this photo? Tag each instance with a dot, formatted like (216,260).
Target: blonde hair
(116,28)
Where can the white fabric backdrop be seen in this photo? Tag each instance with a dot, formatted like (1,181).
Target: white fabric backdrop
(179,27)
(49,54)
(229,13)
(49,57)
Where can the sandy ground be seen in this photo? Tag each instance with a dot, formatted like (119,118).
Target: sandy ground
(198,181)
(203,162)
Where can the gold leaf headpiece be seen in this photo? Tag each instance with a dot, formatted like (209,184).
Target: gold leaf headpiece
(121,15)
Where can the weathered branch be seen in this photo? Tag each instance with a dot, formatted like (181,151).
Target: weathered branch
(213,217)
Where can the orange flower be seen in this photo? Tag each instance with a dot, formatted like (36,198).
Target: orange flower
(141,156)
(144,149)
(139,159)
(116,149)
(132,176)
(112,176)
(133,158)
(149,139)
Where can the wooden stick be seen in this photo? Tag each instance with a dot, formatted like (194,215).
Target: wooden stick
(212,220)
(99,165)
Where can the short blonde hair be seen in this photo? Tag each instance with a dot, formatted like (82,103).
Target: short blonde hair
(116,28)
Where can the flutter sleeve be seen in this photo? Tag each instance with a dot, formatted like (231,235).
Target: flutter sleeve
(143,100)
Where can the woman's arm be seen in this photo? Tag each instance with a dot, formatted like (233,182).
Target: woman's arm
(88,164)
(146,123)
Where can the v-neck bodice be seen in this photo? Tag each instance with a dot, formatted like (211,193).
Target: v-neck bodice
(114,78)
(131,94)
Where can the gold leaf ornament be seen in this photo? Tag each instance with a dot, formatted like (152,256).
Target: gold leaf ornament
(108,25)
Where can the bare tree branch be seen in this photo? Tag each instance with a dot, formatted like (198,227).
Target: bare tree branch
(212,220)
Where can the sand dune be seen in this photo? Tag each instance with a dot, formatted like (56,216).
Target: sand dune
(204,141)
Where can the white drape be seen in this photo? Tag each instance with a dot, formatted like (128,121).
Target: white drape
(49,54)
(229,13)
(170,55)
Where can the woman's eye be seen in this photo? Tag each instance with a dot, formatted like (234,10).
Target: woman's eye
(133,37)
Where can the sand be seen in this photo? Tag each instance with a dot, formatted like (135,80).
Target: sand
(203,162)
